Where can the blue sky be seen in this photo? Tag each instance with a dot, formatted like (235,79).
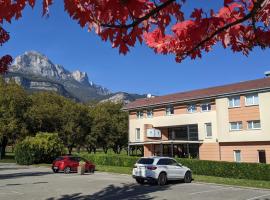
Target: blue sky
(141,71)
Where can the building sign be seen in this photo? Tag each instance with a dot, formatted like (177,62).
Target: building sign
(153,133)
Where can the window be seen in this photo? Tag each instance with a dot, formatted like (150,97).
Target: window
(254,124)
(169,110)
(208,129)
(236,126)
(139,114)
(206,107)
(252,100)
(146,161)
(172,162)
(150,113)
(234,102)
(237,156)
(138,134)
(162,162)
(262,156)
(191,108)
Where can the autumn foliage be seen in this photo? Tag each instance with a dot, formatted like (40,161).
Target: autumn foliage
(240,24)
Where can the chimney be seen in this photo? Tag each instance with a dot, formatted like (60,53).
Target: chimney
(267,74)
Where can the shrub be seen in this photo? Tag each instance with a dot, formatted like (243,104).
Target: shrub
(111,160)
(252,171)
(43,148)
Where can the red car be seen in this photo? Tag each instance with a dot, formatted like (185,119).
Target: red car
(69,164)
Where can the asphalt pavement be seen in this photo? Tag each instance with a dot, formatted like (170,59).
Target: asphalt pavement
(39,183)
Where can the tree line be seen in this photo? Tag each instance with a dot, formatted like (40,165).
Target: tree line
(89,126)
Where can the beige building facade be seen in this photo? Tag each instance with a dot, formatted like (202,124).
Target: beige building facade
(225,123)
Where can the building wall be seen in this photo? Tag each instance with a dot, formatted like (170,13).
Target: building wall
(249,151)
(246,113)
(148,150)
(209,151)
(247,141)
(161,122)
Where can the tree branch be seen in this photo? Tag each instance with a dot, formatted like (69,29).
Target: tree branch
(139,20)
(257,7)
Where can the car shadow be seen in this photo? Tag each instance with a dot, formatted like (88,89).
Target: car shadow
(12,168)
(22,174)
(123,192)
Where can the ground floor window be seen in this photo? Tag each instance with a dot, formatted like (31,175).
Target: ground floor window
(237,156)
(177,150)
(262,156)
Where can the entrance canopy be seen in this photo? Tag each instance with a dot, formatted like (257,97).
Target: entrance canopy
(167,142)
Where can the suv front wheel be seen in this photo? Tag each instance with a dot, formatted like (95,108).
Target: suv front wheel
(188,177)
(140,180)
(162,179)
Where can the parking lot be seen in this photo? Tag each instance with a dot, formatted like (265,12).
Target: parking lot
(38,183)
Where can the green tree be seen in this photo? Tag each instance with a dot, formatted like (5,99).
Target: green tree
(101,128)
(120,134)
(109,126)
(14,103)
(45,114)
(76,124)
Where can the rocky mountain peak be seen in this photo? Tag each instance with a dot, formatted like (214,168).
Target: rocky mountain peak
(36,72)
(81,77)
(35,63)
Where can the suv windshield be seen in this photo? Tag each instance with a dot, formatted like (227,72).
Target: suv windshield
(146,161)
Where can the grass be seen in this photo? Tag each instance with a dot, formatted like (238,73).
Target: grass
(197,178)
(232,181)
(9,158)
(114,169)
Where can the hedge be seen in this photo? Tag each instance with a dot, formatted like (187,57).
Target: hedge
(111,160)
(254,171)
(43,148)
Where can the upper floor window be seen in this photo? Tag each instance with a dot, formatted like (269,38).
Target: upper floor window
(192,108)
(234,102)
(206,107)
(252,99)
(139,114)
(256,124)
(208,130)
(138,134)
(150,113)
(236,126)
(169,110)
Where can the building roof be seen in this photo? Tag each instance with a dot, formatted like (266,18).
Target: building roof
(212,92)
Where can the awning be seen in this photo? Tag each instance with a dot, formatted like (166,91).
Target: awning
(167,142)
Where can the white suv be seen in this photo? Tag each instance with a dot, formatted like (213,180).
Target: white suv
(160,169)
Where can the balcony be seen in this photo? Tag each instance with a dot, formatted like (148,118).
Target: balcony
(185,133)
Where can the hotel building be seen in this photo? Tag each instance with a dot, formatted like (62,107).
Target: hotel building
(224,123)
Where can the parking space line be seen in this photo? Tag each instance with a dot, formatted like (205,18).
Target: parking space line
(214,190)
(253,198)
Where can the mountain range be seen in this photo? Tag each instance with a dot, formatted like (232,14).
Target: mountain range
(36,72)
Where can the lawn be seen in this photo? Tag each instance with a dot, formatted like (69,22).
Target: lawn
(9,158)
(197,178)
